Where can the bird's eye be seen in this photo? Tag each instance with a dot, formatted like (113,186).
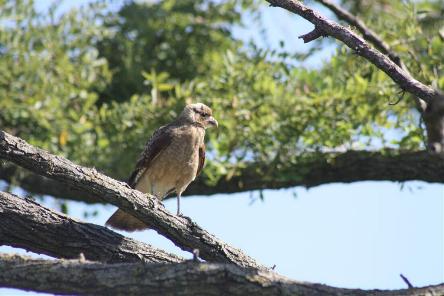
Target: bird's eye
(204,115)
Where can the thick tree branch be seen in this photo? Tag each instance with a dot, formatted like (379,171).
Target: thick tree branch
(190,278)
(36,184)
(432,104)
(351,166)
(182,231)
(318,169)
(25,224)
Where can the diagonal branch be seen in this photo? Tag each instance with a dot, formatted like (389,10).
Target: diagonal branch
(366,32)
(406,280)
(182,231)
(432,104)
(25,224)
(190,278)
(317,169)
(36,184)
(356,43)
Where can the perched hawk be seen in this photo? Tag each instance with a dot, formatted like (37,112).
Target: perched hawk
(172,159)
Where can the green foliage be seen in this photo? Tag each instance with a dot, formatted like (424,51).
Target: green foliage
(49,76)
(179,37)
(95,90)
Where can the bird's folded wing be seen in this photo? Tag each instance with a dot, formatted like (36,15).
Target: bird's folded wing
(201,159)
(160,140)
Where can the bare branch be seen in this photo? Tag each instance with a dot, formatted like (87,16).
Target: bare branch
(318,169)
(26,224)
(433,105)
(313,35)
(406,281)
(366,32)
(190,278)
(182,231)
(357,44)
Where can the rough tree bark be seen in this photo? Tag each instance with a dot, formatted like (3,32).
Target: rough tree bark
(190,278)
(351,166)
(180,230)
(26,224)
(431,101)
(83,277)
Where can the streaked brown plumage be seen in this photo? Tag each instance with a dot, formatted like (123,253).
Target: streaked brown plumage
(172,159)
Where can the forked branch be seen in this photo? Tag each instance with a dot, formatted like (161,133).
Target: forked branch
(182,231)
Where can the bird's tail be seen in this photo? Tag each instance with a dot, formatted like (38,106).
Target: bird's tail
(123,221)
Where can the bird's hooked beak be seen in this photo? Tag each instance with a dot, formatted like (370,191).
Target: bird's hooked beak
(212,121)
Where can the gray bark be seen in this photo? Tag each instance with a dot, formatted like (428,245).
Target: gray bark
(182,231)
(242,277)
(190,278)
(366,32)
(351,166)
(26,224)
(432,100)
(39,185)
(356,43)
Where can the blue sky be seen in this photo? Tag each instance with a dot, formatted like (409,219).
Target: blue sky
(349,235)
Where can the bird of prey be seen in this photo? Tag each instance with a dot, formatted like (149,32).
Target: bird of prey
(173,157)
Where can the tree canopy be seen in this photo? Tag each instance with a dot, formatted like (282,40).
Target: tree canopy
(92,84)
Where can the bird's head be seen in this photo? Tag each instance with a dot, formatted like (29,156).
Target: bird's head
(199,113)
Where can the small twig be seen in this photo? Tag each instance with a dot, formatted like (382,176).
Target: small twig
(402,93)
(313,35)
(406,280)
(273,267)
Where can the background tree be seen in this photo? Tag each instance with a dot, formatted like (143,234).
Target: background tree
(92,84)
(269,106)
